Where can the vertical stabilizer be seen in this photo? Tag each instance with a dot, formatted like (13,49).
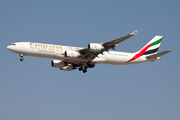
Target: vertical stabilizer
(149,49)
(153,46)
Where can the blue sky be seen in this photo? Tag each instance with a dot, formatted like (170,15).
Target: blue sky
(33,90)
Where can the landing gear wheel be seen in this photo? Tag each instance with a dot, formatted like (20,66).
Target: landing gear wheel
(89,64)
(84,71)
(20,55)
(80,68)
(85,67)
(21,59)
(92,65)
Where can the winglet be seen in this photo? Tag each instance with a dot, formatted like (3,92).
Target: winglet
(134,33)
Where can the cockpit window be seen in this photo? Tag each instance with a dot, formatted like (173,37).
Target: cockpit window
(13,44)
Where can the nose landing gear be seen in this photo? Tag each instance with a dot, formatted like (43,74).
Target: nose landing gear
(21,55)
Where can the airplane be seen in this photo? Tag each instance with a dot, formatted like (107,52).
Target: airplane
(69,58)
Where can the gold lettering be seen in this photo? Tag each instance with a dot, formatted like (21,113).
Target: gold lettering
(31,45)
(38,46)
(57,48)
(45,47)
(61,49)
(35,46)
(50,48)
(75,48)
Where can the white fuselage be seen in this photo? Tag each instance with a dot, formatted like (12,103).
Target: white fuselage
(57,52)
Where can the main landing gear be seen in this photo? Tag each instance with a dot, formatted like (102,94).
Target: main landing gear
(21,55)
(85,67)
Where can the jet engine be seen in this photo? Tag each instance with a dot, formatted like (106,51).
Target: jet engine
(69,67)
(95,47)
(72,54)
(58,63)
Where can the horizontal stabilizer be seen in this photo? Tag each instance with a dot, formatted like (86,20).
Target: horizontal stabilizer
(158,54)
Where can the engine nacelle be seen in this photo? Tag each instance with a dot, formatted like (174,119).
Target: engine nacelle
(95,47)
(58,63)
(69,67)
(71,54)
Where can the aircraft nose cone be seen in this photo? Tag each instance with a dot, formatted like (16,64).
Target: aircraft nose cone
(8,47)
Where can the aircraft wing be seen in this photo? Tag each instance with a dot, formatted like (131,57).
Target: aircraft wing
(106,46)
(113,43)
